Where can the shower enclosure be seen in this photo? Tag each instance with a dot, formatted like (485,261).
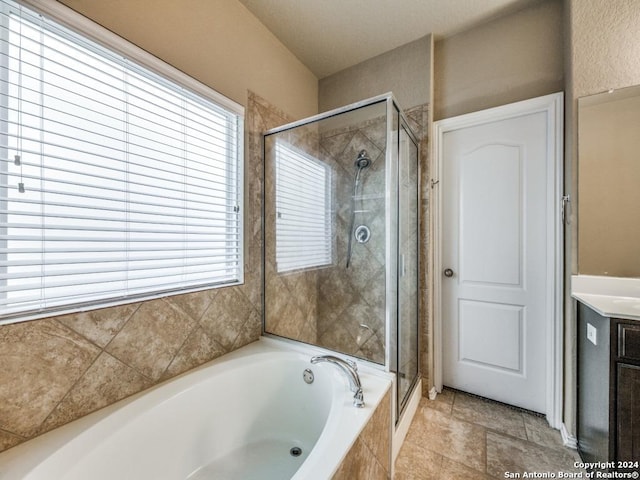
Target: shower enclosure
(341,236)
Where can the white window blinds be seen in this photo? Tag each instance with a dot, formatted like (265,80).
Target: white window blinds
(116,183)
(303,210)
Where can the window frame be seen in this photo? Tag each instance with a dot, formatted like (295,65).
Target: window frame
(121,47)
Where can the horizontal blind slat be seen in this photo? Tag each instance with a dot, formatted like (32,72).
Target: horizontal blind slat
(138,203)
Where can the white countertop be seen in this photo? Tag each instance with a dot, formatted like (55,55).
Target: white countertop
(609,296)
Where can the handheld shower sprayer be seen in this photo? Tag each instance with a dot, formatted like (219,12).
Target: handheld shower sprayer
(362,161)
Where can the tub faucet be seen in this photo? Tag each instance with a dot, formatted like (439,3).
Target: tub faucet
(350,369)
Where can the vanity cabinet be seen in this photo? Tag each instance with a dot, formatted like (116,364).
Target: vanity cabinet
(628,390)
(608,387)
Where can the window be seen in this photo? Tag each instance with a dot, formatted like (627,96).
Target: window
(116,183)
(303,210)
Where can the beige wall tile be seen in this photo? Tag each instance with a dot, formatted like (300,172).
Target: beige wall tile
(107,381)
(40,362)
(250,330)
(100,326)
(193,304)
(197,349)
(8,440)
(377,433)
(369,457)
(224,319)
(360,464)
(151,338)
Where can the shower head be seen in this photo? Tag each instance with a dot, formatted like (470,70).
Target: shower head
(363,160)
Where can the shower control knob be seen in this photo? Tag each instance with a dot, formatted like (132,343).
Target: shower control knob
(448,272)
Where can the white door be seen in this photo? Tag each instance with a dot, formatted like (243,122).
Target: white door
(496,294)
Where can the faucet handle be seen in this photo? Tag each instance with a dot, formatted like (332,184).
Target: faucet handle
(352,363)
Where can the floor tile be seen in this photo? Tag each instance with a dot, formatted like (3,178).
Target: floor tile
(491,415)
(461,441)
(442,402)
(460,436)
(509,454)
(451,470)
(415,462)
(539,431)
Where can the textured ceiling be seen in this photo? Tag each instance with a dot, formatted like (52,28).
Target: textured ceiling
(330,35)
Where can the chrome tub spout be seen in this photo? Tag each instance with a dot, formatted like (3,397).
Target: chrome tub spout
(350,369)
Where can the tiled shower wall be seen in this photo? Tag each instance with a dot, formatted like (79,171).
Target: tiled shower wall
(58,369)
(351,309)
(291,298)
(350,298)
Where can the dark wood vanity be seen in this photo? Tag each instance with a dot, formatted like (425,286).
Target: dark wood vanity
(608,389)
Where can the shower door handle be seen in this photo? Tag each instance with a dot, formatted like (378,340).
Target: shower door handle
(448,273)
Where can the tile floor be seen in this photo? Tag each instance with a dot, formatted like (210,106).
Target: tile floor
(459,436)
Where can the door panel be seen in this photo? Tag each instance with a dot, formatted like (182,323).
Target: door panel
(491,255)
(491,335)
(494,307)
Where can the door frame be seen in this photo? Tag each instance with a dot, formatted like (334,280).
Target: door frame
(552,107)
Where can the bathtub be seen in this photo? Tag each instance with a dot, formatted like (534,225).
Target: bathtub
(243,416)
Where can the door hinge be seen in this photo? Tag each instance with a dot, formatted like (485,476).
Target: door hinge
(566,209)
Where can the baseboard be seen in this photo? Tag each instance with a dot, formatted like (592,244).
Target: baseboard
(433,393)
(567,439)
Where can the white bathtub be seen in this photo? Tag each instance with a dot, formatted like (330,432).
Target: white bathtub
(234,418)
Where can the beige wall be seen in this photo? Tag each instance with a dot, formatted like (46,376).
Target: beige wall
(512,58)
(602,52)
(218,42)
(604,46)
(405,71)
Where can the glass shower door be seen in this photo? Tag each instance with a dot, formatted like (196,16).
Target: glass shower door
(408,325)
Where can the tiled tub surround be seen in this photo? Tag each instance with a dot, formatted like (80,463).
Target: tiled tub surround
(58,369)
(370,456)
(210,424)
